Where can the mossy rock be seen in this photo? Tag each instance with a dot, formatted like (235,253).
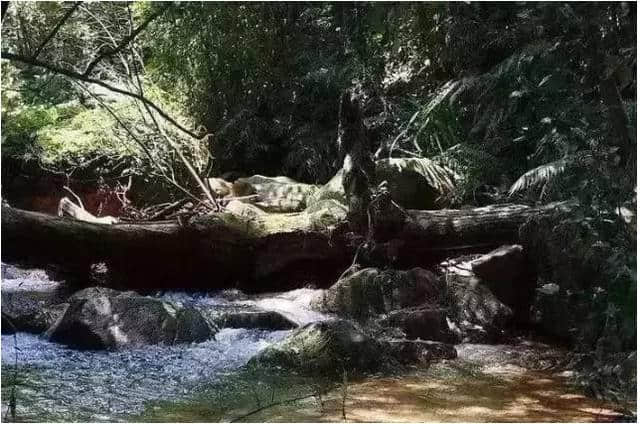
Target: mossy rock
(324,348)
(326,213)
(371,291)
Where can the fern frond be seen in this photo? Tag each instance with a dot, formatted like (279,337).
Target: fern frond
(548,171)
(538,175)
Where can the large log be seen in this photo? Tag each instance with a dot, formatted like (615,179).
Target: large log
(276,251)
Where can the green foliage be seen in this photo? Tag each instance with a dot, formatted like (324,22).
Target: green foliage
(588,258)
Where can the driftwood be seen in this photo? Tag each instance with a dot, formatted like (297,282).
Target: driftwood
(271,252)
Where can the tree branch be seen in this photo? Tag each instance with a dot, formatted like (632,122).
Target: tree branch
(78,76)
(57,28)
(124,42)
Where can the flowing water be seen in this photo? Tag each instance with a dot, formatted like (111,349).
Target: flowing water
(486,383)
(57,383)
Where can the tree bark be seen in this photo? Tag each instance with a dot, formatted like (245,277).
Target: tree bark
(5,7)
(358,165)
(619,135)
(277,252)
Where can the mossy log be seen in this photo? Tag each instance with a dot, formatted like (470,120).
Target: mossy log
(270,252)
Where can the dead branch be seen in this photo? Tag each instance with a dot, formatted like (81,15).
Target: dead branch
(271,405)
(168,209)
(74,195)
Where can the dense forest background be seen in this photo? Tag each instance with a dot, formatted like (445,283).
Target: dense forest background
(523,102)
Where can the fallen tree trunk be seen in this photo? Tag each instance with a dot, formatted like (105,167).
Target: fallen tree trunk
(277,251)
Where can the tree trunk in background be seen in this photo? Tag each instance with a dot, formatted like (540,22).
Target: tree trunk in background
(5,7)
(619,135)
(359,168)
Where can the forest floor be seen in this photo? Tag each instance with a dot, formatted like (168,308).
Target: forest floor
(515,395)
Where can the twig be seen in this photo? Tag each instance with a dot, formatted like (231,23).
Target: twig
(124,42)
(12,396)
(344,394)
(168,209)
(271,405)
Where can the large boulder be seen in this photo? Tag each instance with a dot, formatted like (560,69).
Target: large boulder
(326,348)
(423,322)
(503,263)
(371,291)
(504,271)
(105,319)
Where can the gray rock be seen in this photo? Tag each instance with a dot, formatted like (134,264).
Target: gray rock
(503,263)
(420,352)
(257,180)
(30,308)
(504,271)
(100,318)
(423,322)
(247,210)
(326,213)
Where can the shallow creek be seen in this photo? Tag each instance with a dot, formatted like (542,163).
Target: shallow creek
(167,383)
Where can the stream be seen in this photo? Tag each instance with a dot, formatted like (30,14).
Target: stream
(55,383)
(61,384)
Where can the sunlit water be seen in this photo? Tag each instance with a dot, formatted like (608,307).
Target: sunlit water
(96,385)
(57,383)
